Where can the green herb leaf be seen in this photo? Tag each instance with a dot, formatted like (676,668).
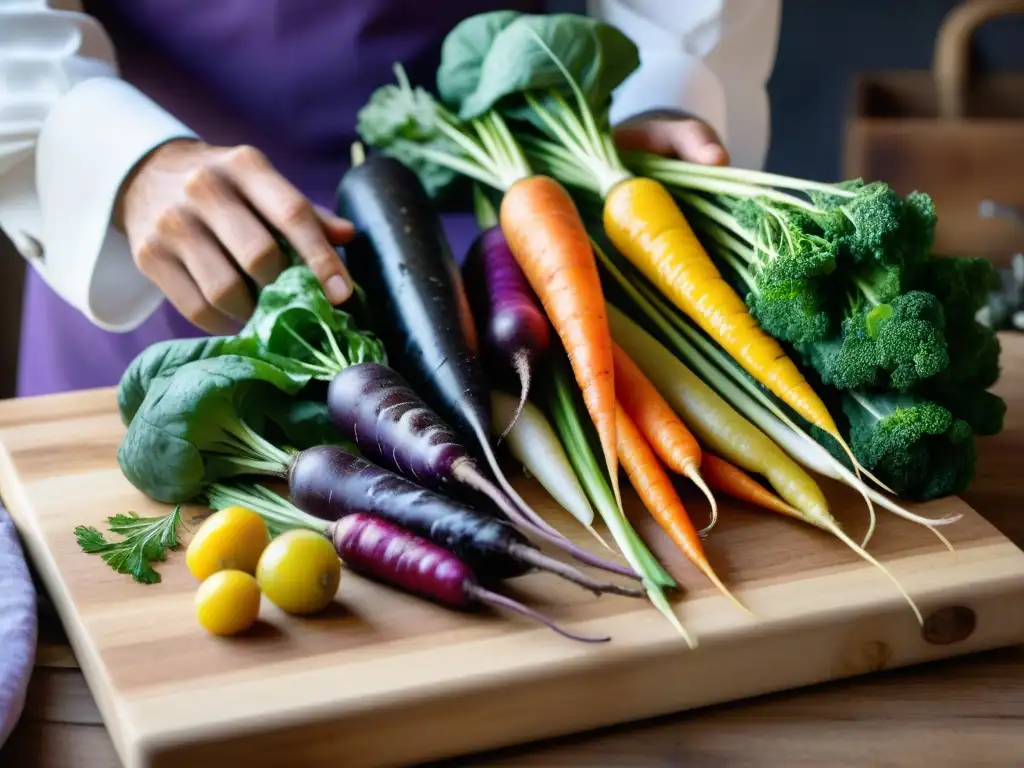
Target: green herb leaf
(146,540)
(492,56)
(296,327)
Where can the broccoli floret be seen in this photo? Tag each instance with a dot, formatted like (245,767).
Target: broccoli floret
(982,410)
(788,244)
(918,231)
(974,357)
(961,284)
(914,446)
(878,226)
(865,228)
(791,311)
(880,283)
(896,345)
(912,342)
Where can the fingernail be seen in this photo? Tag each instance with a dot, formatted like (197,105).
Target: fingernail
(713,153)
(337,289)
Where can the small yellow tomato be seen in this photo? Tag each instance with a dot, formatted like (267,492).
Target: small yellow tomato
(299,572)
(228,602)
(231,539)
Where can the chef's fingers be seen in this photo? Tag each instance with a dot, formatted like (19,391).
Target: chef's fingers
(241,234)
(685,138)
(171,277)
(211,269)
(339,231)
(289,210)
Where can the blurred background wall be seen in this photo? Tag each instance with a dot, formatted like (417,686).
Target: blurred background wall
(823,44)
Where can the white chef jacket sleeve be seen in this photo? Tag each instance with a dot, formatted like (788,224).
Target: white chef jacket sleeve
(710,58)
(70,132)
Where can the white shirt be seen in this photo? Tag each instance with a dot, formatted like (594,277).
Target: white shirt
(71,131)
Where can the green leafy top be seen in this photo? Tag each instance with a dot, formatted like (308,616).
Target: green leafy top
(296,327)
(403,121)
(202,423)
(492,56)
(164,358)
(146,540)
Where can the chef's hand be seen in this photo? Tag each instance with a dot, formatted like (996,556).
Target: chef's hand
(686,138)
(189,211)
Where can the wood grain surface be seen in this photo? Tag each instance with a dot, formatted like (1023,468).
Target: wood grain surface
(805,568)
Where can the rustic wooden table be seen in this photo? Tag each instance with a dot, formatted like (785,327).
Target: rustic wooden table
(964,712)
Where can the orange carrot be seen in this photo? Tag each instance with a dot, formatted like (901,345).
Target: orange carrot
(655,490)
(672,442)
(733,481)
(549,241)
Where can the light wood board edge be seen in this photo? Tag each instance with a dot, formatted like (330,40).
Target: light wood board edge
(18,506)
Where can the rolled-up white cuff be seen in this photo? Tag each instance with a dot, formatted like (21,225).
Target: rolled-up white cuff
(90,142)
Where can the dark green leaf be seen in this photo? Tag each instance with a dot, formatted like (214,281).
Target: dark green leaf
(464,51)
(303,424)
(165,357)
(184,415)
(597,55)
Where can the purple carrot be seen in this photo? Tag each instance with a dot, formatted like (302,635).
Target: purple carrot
(373,406)
(511,322)
(394,556)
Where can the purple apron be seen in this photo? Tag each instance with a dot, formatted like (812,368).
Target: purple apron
(286,77)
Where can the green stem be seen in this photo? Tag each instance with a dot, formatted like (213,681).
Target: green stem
(739,268)
(563,167)
(514,160)
(247,466)
(569,427)
(339,357)
(716,213)
(486,216)
(656,166)
(325,360)
(256,444)
(265,503)
(866,404)
(866,289)
(459,165)
(736,189)
(727,241)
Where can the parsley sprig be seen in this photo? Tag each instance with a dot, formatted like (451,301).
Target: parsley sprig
(146,540)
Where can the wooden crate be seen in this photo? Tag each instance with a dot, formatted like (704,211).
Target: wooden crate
(952,133)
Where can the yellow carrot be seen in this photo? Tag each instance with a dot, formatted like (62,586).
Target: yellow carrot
(644,222)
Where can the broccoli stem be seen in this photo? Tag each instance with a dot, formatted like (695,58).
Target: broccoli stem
(648,164)
(867,292)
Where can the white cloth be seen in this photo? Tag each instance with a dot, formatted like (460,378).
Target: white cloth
(63,156)
(17,626)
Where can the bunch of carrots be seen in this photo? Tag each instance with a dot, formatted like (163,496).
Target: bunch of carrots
(536,280)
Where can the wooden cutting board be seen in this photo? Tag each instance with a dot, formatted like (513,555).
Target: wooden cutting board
(384,679)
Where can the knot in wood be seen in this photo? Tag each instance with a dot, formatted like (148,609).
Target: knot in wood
(949,625)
